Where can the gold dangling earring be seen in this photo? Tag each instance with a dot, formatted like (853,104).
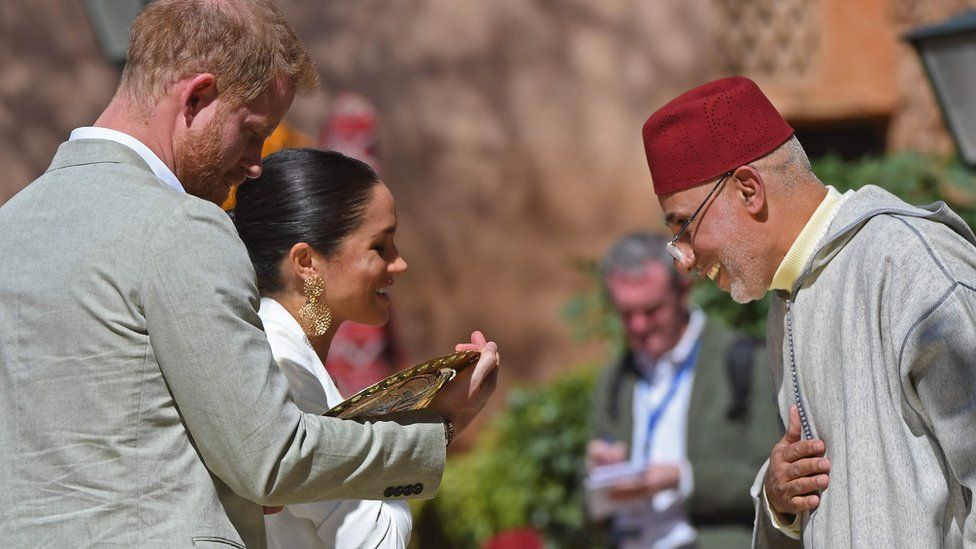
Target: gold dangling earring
(314,316)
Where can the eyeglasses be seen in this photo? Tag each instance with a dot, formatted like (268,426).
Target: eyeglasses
(672,246)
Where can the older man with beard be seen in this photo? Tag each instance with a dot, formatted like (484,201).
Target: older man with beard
(872,331)
(140,406)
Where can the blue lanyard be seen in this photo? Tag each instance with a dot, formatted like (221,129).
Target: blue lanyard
(657,413)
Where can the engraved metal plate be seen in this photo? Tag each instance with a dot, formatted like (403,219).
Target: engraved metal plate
(410,389)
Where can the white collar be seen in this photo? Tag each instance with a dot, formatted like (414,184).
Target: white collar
(276,312)
(157,166)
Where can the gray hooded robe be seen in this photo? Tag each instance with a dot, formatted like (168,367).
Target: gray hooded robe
(877,343)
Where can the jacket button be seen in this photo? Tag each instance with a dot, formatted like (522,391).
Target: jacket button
(398,492)
(417,488)
(388,492)
(408,490)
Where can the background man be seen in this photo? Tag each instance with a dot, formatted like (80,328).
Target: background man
(140,407)
(872,330)
(689,397)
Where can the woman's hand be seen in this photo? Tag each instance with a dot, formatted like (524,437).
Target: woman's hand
(465,396)
(489,361)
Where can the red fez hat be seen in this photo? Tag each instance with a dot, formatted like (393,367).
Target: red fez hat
(710,130)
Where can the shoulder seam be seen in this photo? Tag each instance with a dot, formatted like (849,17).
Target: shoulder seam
(928,248)
(926,315)
(81,164)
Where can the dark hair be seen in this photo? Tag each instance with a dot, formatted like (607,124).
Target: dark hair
(630,254)
(302,195)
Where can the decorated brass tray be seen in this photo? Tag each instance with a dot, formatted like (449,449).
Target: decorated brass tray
(410,389)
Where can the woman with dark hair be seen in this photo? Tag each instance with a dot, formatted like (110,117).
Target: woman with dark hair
(319,228)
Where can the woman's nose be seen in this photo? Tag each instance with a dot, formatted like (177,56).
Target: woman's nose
(399,265)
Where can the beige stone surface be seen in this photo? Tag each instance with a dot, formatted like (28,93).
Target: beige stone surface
(510,135)
(510,130)
(917,123)
(818,60)
(52,78)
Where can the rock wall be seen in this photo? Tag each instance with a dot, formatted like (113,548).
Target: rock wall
(510,130)
(510,135)
(52,79)
(917,123)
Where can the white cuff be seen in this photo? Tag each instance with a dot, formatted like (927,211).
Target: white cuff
(791,530)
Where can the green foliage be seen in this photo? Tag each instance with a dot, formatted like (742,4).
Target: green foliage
(913,177)
(525,470)
(748,318)
(589,313)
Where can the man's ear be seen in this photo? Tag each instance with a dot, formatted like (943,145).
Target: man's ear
(197,93)
(750,189)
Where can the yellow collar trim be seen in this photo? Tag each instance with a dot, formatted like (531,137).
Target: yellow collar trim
(805,244)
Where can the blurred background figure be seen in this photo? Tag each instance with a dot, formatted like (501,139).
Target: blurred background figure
(689,399)
(350,128)
(361,354)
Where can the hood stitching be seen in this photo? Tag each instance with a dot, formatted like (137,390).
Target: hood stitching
(831,239)
(928,248)
(928,313)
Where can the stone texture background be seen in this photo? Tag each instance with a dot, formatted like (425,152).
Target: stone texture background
(510,129)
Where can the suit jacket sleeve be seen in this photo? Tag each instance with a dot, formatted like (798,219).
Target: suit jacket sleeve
(200,304)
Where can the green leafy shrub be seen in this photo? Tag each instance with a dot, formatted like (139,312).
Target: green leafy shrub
(525,470)
(590,314)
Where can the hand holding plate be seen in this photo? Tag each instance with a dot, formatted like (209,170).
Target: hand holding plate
(465,396)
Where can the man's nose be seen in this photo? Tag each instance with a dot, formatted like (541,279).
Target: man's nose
(252,162)
(686,262)
(637,322)
(252,170)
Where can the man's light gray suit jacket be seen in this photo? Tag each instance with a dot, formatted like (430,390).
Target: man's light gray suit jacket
(139,402)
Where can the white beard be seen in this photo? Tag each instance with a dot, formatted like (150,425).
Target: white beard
(740,259)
